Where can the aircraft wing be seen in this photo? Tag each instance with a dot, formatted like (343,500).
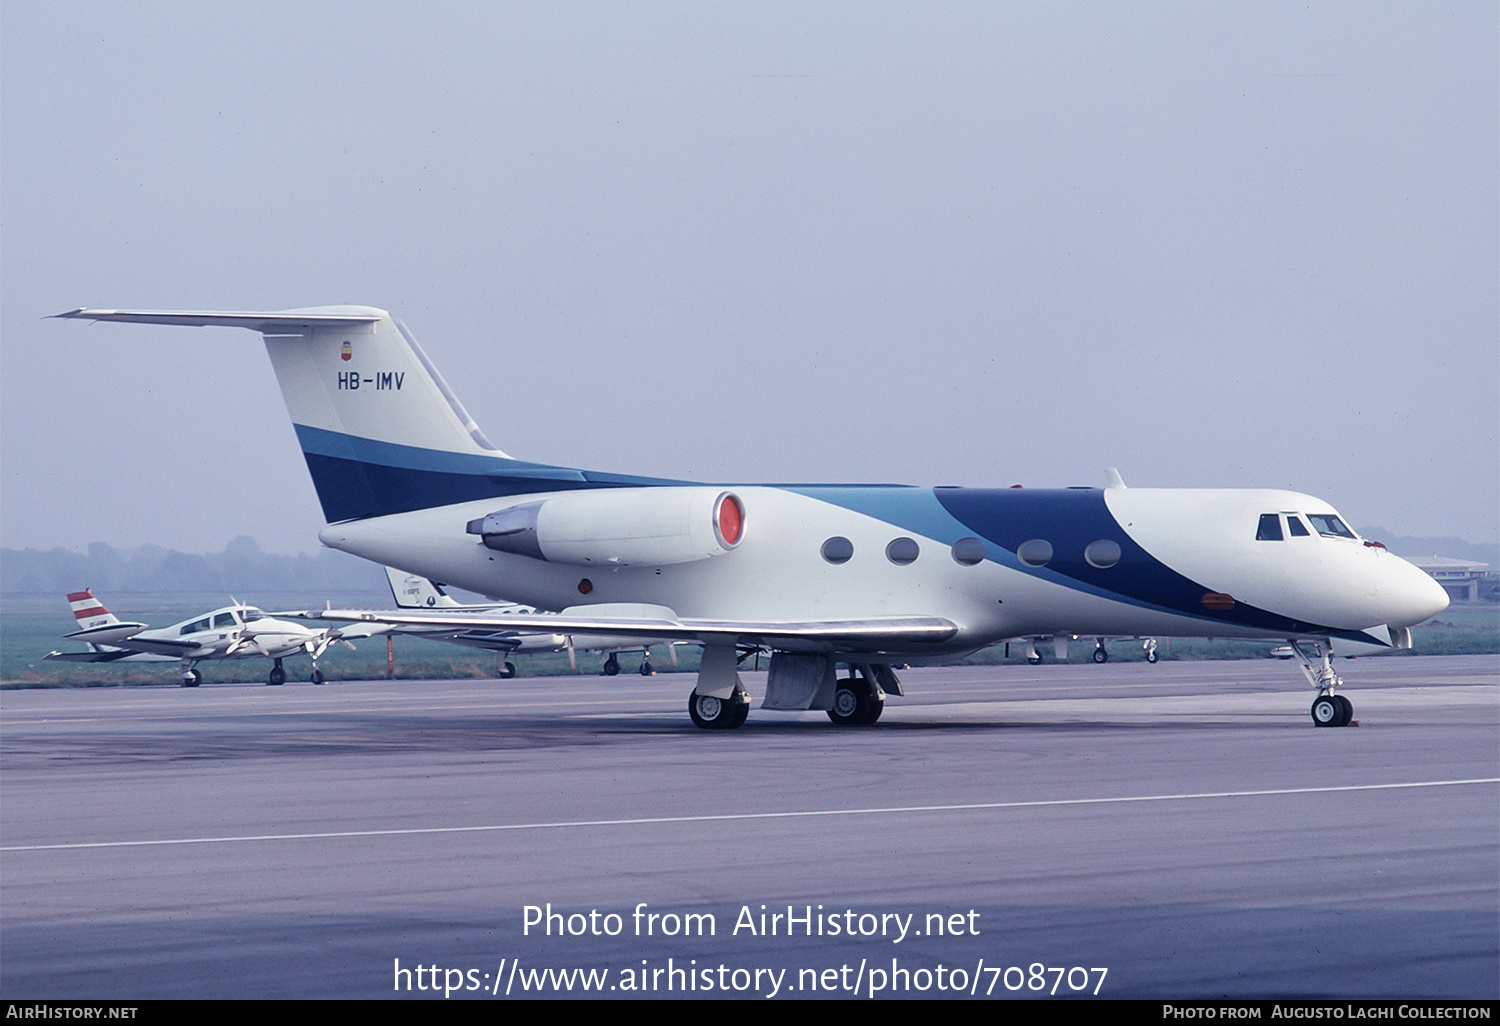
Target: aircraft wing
(661,624)
(114,656)
(155,646)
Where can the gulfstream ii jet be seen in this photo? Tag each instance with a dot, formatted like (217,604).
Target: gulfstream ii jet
(819,575)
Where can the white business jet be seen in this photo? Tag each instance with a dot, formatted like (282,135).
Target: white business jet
(231,632)
(819,575)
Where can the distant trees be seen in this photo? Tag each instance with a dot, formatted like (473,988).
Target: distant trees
(241,568)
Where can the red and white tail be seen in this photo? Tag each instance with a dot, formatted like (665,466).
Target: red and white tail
(89,611)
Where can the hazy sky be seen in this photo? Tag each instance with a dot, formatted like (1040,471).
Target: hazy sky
(1209,244)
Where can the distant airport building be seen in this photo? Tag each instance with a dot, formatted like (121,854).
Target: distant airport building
(1463,579)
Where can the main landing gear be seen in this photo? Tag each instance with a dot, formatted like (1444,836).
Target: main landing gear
(1328,709)
(611,666)
(191,678)
(277,675)
(856,703)
(712,713)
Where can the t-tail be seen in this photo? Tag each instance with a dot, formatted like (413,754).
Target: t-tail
(380,429)
(413,591)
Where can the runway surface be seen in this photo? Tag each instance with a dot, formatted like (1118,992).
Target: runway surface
(1183,826)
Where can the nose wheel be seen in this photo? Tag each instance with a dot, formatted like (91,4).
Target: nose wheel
(1332,711)
(1329,709)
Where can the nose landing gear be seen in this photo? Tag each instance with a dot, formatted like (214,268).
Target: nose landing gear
(1328,709)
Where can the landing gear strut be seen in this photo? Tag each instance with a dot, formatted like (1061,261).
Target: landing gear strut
(1032,655)
(1151,655)
(1328,709)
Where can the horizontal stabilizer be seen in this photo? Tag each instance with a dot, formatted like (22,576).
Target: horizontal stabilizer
(107,633)
(269,322)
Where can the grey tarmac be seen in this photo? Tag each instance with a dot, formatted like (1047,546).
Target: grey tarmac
(1184,825)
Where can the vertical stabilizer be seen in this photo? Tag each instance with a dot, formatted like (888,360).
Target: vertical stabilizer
(413,591)
(381,431)
(89,611)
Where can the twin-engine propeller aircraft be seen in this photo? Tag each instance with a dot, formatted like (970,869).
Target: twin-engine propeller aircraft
(413,591)
(820,575)
(232,632)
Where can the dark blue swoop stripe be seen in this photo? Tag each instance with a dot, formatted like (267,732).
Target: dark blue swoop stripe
(1072,518)
(358,477)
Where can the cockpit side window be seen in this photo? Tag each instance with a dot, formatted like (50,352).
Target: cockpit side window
(1269,529)
(251,614)
(195,626)
(1295,526)
(224,620)
(1329,526)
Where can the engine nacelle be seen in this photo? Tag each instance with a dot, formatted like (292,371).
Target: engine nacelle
(619,526)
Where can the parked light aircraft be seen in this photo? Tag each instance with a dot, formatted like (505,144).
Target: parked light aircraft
(413,591)
(820,575)
(230,632)
(1061,643)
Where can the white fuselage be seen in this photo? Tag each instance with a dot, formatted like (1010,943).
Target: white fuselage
(778,572)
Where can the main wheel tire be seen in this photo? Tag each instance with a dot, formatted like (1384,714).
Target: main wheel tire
(277,676)
(1347,710)
(646,668)
(1151,655)
(1101,656)
(710,713)
(192,679)
(1326,711)
(851,703)
(507,670)
(877,706)
(1034,660)
(317,676)
(611,666)
(741,714)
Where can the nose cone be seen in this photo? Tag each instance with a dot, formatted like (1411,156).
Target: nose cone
(1411,595)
